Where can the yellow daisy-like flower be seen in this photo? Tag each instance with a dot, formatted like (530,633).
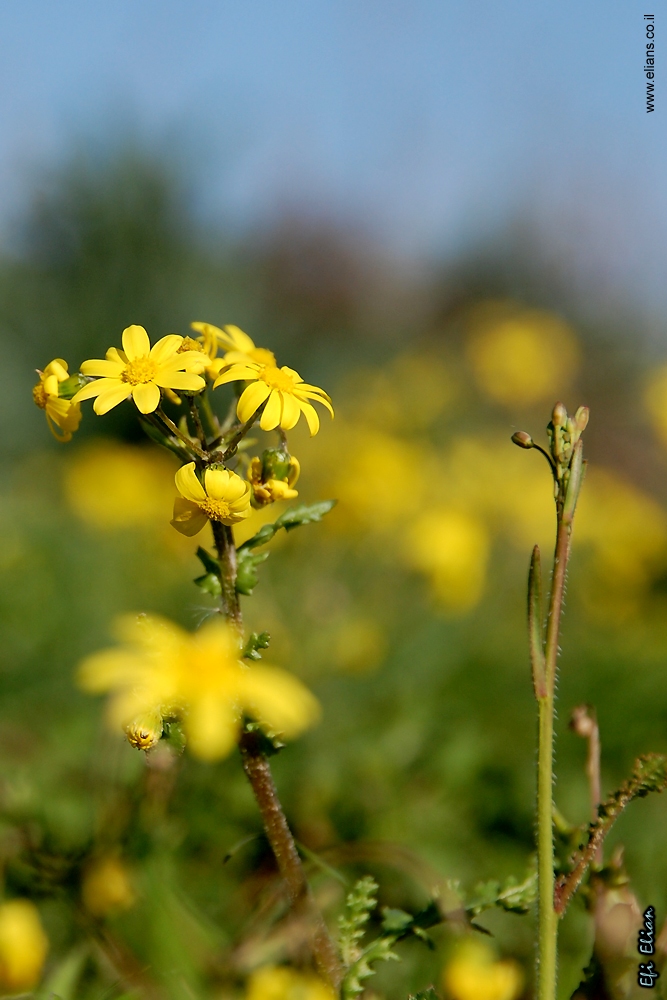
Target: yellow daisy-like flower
(62,415)
(224,497)
(199,678)
(140,371)
(282,389)
(239,347)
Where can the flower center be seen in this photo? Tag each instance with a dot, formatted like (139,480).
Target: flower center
(217,510)
(139,371)
(39,395)
(276,378)
(263,356)
(190,344)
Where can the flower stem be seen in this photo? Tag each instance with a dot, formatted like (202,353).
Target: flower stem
(547,917)
(188,442)
(258,772)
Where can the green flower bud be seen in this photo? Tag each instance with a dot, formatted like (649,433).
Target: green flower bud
(145,731)
(523,439)
(275,464)
(71,386)
(559,415)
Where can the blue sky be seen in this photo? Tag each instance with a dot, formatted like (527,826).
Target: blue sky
(428,121)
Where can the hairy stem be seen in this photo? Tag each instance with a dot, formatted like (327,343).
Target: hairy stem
(188,442)
(258,772)
(196,420)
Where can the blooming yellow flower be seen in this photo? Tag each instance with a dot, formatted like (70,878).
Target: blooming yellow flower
(62,415)
(23,946)
(240,347)
(106,887)
(283,983)
(140,371)
(199,678)
(282,389)
(473,974)
(224,497)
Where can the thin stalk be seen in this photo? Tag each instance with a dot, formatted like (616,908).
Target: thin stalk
(196,420)
(188,442)
(547,917)
(258,772)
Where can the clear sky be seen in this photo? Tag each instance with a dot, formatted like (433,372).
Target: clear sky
(428,120)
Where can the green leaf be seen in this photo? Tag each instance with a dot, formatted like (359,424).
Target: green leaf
(256,641)
(210,584)
(360,903)
(428,994)
(380,950)
(63,979)
(511,895)
(396,921)
(209,562)
(537,659)
(246,569)
(294,517)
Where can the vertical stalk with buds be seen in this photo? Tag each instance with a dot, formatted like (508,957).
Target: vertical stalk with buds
(565,457)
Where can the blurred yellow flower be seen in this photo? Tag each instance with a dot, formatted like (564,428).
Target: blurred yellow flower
(224,497)
(140,371)
(282,389)
(452,548)
(198,677)
(23,946)
(283,983)
(655,400)
(474,974)
(359,645)
(112,485)
(62,415)
(106,887)
(240,348)
(521,356)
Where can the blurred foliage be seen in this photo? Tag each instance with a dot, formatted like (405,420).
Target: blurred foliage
(403,610)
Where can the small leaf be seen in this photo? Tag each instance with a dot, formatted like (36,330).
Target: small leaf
(210,584)
(256,641)
(302,514)
(396,921)
(428,994)
(246,569)
(537,659)
(209,562)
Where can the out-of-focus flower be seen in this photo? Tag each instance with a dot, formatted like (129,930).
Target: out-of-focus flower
(199,678)
(113,485)
(239,347)
(282,389)
(62,415)
(272,477)
(106,887)
(359,645)
(283,983)
(140,371)
(475,974)
(452,548)
(224,497)
(23,946)
(655,400)
(406,395)
(521,356)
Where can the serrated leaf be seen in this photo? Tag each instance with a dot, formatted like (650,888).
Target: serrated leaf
(428,994)
(209,562)
(247,562)
(209,583)
(396,921)
(294,517)
(256,641)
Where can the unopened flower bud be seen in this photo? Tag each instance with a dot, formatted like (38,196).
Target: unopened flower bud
(559,415)
(145,731)
(581,722)
(273,475)
(581,418)
(523,439)
(70,386)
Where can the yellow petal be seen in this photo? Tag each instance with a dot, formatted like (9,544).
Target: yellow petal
(252,397)
(94,389)
(211,727)
(238,340)
(216,483)
(108,369)
(146,396)
(188,518)
(272,411)
(279,700)
(165,348)
(291,412)
(310,413)
(245,373)
(111,396)
(188,485)
(113,354)
(180,380)
(109,669)
(316,397)
(135,342)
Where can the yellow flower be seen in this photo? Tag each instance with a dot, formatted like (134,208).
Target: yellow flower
(240,347)
(106,887)
(224,497)
(473,974)
(283,983)
(140,371)
(271,489)
(199,678)
(62,415)
(452,548)
(23,946)
(282,389)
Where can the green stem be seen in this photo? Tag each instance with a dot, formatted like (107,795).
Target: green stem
(188,442)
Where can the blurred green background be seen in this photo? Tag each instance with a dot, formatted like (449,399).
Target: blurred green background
(404,610)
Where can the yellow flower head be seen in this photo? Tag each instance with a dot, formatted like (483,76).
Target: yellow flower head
(473,974)
(282,389)
(106,887)
(62,415)
(200,678)
(140,371)
(239,347)
(23,946)
(224,497)
(278,982)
